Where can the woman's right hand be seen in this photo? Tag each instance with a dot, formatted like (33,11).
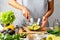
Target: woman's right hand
(26,13)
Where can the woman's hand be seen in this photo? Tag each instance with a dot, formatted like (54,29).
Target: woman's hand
(26,14)
(44,22)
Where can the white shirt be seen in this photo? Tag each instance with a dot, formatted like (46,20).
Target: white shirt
(37,9)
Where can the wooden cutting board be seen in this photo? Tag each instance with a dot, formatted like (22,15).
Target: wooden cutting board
(33,32)
(30,33)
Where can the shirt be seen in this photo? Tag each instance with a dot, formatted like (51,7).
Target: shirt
(37,9)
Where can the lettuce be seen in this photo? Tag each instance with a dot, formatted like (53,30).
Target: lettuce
(54,32)
(10,37)
(7,17)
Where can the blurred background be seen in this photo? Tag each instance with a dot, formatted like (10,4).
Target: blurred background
(56,15)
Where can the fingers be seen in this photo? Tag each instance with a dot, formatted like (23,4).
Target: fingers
(24,15)
(25,12)
(28,17)
(43,19)
(44,22)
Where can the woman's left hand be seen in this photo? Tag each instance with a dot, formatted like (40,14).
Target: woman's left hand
(44,21)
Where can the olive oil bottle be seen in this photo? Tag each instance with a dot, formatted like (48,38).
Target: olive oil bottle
(56,25)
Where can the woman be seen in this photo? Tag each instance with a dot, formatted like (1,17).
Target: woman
(35,8)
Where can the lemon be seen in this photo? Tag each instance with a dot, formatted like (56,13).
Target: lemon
(51,37)
(9,27)
(36,27)
(57,38)
(33,27)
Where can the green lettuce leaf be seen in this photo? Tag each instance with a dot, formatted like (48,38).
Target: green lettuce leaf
(7,17)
